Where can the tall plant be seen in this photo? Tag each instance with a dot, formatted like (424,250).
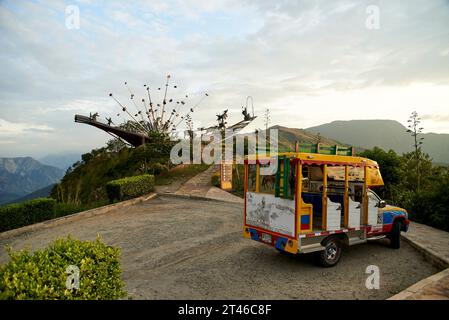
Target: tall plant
(415,130)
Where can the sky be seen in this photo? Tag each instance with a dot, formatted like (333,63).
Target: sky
(309,62)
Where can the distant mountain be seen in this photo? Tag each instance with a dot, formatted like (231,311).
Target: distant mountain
(62,161)
(41,193)
(387,134)
(287,138)
(21,176)
(6,197)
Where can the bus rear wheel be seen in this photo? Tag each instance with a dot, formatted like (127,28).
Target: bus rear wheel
(331,254)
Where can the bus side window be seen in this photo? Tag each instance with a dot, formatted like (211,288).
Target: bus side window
(305,178)
(292,180)
(267,182)
(252,173)
(358,193)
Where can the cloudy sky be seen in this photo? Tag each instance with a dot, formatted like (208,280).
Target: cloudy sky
(309,62)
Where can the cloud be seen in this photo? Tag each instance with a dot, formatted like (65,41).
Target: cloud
(11,129)
(436,117)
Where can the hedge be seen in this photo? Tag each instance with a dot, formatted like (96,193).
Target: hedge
(67,269)
(131,187)
(29,212)
(216,179)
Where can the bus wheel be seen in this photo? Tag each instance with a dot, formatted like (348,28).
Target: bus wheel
(331,254)
(395,236)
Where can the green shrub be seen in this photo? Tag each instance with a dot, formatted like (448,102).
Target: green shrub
(158,168)
(216,179)
(65,209)
(131,187)
(29,212)
(43,274)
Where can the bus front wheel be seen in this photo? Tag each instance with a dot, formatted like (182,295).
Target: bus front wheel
(395,235)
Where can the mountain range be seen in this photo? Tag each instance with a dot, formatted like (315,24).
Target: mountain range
(24,175)
(41,193)
(60,160)
(387,134)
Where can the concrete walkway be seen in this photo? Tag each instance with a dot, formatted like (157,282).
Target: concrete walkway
(218,194)
(200,186)
(434,244)
(434,241)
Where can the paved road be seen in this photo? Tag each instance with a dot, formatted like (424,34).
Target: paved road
(193,249)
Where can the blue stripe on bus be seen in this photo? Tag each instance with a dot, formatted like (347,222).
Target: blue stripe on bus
(388,216)
(281,243)
(305,219)
(254,234)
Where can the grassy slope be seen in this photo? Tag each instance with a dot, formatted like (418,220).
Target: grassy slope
(181,174)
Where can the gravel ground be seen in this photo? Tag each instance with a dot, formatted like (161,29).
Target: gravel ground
(175,248)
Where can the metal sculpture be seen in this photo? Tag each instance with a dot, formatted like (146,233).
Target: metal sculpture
(163,118)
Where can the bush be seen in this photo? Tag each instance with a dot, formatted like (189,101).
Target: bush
(29,212)
(430,206)
(216,179)
(131,187)
(65,209)
(158,168)
(44,274)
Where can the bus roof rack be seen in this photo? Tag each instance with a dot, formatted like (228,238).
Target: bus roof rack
(315,148)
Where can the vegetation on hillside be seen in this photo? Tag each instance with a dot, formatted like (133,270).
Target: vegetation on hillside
(426,202)
(287,137)
(180,174)
(85,182)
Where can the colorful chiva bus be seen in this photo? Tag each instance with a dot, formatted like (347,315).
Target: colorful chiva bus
(309,202)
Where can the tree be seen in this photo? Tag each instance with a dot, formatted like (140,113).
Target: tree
(411,179)
(391,168)
(267,119)
(115,145)
(415,131)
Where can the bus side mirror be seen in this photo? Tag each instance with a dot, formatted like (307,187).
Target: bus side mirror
(382,204)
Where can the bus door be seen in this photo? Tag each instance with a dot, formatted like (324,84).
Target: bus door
(375,218)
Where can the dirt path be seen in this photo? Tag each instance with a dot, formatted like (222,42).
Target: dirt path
(175,248)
